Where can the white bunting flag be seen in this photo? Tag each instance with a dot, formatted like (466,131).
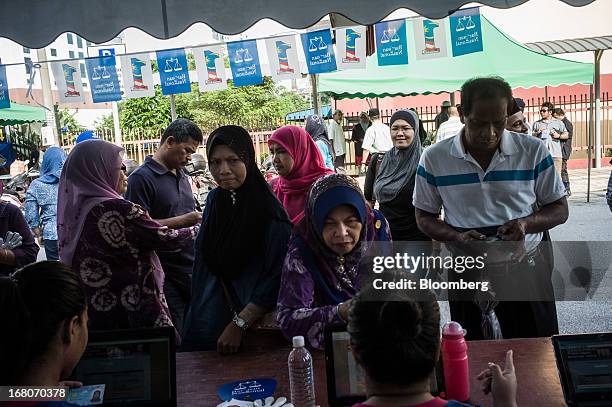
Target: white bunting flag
(210,66)
(351,46)
(283,58)
(68,79)
(430,38)
(137,76)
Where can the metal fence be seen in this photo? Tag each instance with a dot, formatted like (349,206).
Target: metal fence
(139,143)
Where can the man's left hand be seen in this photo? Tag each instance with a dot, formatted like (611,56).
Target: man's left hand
(230,339)
(513,230)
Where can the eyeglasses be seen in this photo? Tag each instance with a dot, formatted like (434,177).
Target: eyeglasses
(543,110)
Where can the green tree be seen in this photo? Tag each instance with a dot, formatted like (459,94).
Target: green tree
(151,112)
(68,121)
(105,123)
(249,106)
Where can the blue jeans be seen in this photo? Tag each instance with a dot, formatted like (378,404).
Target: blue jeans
(51,250)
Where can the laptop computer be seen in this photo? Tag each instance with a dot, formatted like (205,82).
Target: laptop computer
(138,366)
(584,362)
(345,378)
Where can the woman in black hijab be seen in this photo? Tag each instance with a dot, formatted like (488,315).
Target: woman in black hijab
(240,249)
(391,182)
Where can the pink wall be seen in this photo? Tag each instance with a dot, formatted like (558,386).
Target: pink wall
(399,102)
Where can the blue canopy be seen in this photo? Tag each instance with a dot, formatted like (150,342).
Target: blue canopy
(303,114)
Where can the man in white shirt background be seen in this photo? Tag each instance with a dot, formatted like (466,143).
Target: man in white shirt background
(336,134)
(450,127)
(377,138)
(551,131)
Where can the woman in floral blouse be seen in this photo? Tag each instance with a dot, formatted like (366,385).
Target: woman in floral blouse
(322,269)
(111,242)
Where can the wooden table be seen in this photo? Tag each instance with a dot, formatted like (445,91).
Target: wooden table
(199,374)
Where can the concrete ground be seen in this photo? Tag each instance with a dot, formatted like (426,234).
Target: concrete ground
(588,222)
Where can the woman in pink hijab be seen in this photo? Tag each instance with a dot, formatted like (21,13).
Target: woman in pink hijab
(110,242)
(299,164)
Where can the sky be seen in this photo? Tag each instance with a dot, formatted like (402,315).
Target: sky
(535,20)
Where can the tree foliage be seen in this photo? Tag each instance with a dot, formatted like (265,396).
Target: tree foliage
(68,121)
(151,112)
(105,123)
(266,104)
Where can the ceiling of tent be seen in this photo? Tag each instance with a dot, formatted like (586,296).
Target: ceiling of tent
(39,22)
(501,56)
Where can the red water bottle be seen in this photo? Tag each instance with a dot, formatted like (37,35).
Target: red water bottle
(454,356)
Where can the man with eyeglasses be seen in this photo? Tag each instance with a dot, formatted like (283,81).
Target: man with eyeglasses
(551,131)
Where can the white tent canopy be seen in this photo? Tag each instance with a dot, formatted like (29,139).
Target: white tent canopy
(39,22)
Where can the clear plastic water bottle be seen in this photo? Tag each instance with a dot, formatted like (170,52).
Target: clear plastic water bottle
(301,378)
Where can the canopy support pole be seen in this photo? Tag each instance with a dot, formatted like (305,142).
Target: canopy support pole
(116,125)
(172,108)
(590,144)
(597,78)
(45,81)
(316,101)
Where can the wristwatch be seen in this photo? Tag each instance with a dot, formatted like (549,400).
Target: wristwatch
(240,323)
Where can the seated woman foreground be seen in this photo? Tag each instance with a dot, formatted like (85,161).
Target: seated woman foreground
(322,269)
(43,312)
(397,343)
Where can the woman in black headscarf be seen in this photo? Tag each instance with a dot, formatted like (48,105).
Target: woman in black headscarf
(240,249)
(391,183)
(318,132)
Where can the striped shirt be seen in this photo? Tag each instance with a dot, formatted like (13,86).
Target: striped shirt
(520,175)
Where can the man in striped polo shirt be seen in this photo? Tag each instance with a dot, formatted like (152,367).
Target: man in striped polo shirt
(489,180)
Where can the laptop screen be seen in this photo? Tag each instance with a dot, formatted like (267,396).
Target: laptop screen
(350,378)
(137,366)
(585,366)
(345,378)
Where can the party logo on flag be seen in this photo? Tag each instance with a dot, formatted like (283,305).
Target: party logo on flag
(5,102)
(68,80)
(430,38)
(283,58)
(103,79)
(244,61)
(319,51)
(137,76)
(210,57)
(351,44)
(391,42)
(210,67)
(173,71)
(466,32)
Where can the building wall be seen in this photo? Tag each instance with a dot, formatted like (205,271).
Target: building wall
(401,102)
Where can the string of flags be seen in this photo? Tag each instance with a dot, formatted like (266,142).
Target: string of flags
(322,54)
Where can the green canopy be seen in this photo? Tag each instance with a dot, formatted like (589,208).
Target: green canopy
(21,114)
(501,56)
